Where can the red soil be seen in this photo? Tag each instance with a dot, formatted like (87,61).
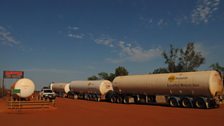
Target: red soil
(84,113)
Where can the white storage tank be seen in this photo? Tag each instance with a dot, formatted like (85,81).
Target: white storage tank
(202,83)
(91,87)
(25,87)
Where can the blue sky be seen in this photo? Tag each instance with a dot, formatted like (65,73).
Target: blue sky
(65,40)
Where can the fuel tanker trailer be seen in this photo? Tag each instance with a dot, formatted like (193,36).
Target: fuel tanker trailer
(91,90)
(22,89)
(61,89)
(200,89)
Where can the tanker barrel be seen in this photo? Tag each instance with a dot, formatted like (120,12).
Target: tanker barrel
(200,83)
(23,88)
(97,86)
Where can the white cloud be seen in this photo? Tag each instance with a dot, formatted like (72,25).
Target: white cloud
(204,11)
(76,35)
(7,38)
(137,53)
(146,21)
(181,20)
(126,51)
(73,28)
(161,22)
(105,41)
(150,22)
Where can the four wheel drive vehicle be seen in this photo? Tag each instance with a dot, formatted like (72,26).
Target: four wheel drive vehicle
(47,94)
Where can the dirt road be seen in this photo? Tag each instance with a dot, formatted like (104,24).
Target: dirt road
(89,113)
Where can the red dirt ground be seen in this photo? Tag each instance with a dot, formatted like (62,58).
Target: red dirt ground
(89,113)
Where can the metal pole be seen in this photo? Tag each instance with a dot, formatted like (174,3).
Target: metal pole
(3,87)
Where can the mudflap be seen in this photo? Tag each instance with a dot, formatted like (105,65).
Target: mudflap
(212,103)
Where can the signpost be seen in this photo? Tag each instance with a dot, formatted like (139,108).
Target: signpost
(16,91)
(11,75)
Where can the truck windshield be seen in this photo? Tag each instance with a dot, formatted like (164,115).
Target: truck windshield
(48,91)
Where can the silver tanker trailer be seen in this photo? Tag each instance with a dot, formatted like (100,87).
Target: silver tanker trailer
(91,90)
(187,89)
(61,89)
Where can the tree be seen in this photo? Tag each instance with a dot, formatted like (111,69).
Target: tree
(190,59)
(120,71)
(106,76)
(217,67)
(171,59)
(160,70)
(180,60)
(93,78)
(111,77)
(103,75)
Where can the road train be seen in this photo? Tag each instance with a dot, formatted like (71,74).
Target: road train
(201,89)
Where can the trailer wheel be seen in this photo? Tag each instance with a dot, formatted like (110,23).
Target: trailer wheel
(88,97)
(126,100)
(97,98)
(75,96)
(186,103)
(119,100)
(112,99)
(142,100)
(173,102)
(200,103)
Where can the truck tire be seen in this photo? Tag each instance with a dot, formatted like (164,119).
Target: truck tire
(126,100)
(75,96)
(97,97)
(87,97)
(142,100)
(173,102)
(200,103)
(119,100)
(112,99)
(186,103)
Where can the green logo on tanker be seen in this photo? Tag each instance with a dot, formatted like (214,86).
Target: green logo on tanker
(171,78)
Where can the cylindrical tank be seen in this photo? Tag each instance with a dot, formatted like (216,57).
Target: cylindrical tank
(24,86)
(202,83)
(97,86)
(60,87)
